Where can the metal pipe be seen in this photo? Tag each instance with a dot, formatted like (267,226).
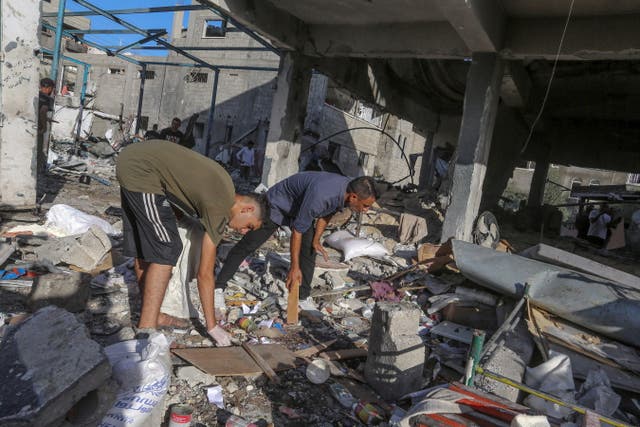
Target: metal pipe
(475,354)
(219,67)
(96,45)
(205,48)
(58,41)
(220,12)
(83,92)
(133,11)
(106,31)
(212,109)
(141,41)
(142,32)
(143,77)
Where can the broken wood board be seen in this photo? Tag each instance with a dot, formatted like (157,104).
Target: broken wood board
(580,340)
(349,353)
(315,349)
(235,361)
(261,362)
(453,331)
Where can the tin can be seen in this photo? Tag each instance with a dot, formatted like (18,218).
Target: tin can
(367,413)
(247,324)
(180,415)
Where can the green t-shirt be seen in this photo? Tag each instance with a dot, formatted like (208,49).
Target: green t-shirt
(196,184)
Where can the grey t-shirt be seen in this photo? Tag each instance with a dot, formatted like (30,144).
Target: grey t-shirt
(299,199)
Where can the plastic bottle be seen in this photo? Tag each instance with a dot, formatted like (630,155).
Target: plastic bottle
(342,395)
(234,421)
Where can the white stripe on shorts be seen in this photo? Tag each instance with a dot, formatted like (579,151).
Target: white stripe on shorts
(153,216)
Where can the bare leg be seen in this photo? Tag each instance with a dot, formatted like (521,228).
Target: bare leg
(155,284)
(140,268)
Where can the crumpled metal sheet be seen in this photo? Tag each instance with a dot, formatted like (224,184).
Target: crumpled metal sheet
(593,302)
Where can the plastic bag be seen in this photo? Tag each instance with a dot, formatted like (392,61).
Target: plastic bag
(596,393)
(73,221)
(352,247)
(143,371)
(554,377)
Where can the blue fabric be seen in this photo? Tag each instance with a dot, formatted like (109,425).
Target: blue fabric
(299,199)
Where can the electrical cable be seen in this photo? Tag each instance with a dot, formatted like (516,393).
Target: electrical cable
(404,156)
(553,72)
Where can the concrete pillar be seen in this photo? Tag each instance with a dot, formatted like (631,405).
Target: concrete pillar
(538,181)
(474,142)
(284,139)
(19,85)
(176,25)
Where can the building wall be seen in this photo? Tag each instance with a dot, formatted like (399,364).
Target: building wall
(19,83)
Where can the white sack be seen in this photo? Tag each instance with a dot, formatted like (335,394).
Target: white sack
(352,247)
(73,221)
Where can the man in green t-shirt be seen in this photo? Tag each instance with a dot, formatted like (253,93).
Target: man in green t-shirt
(157,177)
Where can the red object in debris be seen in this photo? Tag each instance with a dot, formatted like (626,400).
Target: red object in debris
(180,416)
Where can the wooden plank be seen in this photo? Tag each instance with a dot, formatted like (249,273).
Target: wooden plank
(268,371)
(313,350)
(349,353)
(292,304)
(235,361)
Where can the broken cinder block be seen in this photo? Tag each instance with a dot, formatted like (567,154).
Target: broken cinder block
(69,291)
(396,357)
(47,364)
(85,251)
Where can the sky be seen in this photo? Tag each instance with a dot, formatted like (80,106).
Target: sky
(142,20)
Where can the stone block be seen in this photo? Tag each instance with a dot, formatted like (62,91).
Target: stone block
(85,251)
(49,364)
(396,353)
(69,291)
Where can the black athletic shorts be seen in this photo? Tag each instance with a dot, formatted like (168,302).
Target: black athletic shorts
(150,228)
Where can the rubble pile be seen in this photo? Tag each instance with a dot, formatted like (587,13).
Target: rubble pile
(399,330)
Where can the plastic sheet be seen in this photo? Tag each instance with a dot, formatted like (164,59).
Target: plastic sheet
(73,221)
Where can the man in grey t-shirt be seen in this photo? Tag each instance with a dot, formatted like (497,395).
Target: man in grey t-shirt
(297,202)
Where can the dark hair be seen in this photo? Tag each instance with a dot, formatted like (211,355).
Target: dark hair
(363,187)
(47,82)
(250,144)
(263,206)
(176,118)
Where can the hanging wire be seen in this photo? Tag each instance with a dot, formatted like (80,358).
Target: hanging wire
(404,156)
(553,72)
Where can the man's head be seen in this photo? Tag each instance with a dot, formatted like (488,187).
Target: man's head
(248,212)
(175,124)
(155,126)
(47,85)
(361,194)
(250,144)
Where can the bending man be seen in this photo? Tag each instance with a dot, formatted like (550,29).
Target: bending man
(296,202)
(155,177)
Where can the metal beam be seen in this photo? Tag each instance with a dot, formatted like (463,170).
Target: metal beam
(142,41)
(107,31)
(58,41)
(141,31)
(143,78)
(212,109)
(203,48)
(220,67)
(133,11)
(92,44)
(223,14)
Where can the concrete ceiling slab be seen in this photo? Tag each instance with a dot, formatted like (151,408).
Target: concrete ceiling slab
(361,12)
(559,8)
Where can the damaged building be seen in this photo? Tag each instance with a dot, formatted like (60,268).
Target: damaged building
(472,292)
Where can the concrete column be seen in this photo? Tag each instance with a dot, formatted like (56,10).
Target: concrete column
(176,25)
(538,181)
(474,142)
(19,83)
(284,139)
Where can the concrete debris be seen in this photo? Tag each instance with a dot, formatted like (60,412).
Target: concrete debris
(49,364)
(379,328)
(85,251)
(396,356)
(66,290)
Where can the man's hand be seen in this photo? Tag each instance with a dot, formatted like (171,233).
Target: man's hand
(317,246)
(294,278)
(220,336)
